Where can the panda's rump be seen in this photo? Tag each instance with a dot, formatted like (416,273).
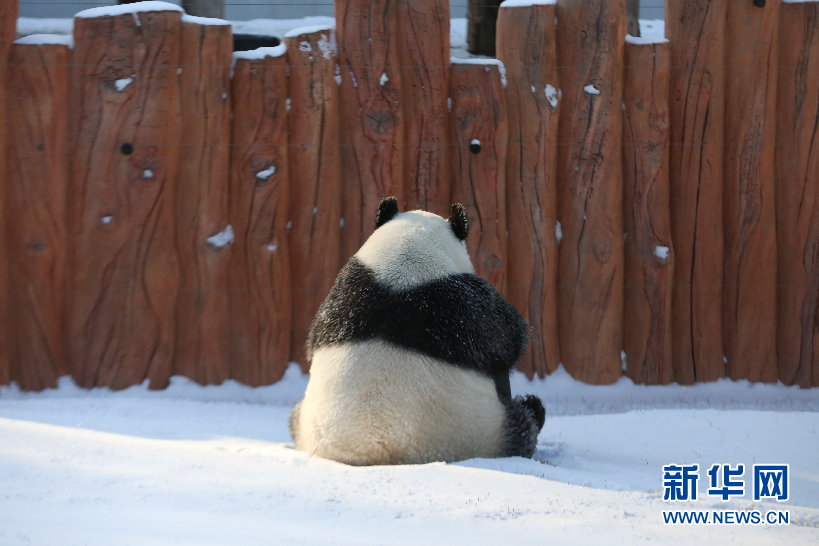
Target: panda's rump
(371,402)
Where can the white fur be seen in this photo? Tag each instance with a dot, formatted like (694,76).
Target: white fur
(414,248)
(374,403)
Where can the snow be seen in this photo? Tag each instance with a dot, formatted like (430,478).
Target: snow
(136,7)
(147,173)
(591,90)
(661,252)
(798,1)
(260,53)
(107,219)
(526,3)
(215,465)
(298,31)
(652,29)
(267,173)
(280,27)
(204,20)
(222,239)
(475,142)
(124,82)
(384,79)
(558,232)
(46,39)
(553,95)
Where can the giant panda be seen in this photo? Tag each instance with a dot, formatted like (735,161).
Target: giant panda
(411,354)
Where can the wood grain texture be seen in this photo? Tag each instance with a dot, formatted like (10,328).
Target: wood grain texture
(260,305)
(8,29)
(423,30)
(202,204)
(124,146)
(372,140)
(591,40)
(797,195)
(695,29)
(479,179)
(35,212)
(315,178)
(649,253)
(526,43)
(749,298)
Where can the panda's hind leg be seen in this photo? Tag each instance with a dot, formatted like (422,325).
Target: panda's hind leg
(524,420)
(293,424)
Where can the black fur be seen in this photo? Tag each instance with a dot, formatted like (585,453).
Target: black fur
(387,210)
(524,420)
(458,221)
(460,319)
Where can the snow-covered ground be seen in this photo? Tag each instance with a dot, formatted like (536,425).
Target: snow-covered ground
(215,465)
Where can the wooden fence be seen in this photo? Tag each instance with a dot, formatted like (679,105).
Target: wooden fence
(170,207)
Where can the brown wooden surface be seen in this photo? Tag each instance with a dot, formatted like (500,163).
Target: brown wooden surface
(749,299)
(260,304)
(591,39)
(797,195)
(372,139)
(423,30)
(479,180)
(202,204)
(35,212)
(649,252)
(8,29)
(696,33)
(124,270)
(315,178)
(527,46)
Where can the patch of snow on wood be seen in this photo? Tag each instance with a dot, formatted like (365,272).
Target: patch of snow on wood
(222,239)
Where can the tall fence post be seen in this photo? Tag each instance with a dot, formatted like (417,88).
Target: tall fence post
(696,31)
(35,210)
(591,39)
(797,195)
(749,300)
(423,30)
(315,176)
(526,44)
(260,304)
(649,253)
(480,131)
(8,29)
(203,234)
(372,154)
(124,144)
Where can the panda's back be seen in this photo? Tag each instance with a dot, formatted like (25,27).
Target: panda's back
(371,402)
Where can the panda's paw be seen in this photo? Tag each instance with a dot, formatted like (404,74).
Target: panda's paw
(535,407)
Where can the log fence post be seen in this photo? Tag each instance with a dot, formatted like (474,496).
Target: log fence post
(749,299)
(124,147)
(203,232)
(649,253)
(591,40)
(526,44)
(696,33)
(423,30)
(372,139)
(8,29)
(35,209)
(315,176)
(480,131)
(260,302)
(797,195)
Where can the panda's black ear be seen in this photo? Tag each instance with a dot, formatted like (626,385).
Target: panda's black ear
(386,211)
(458,221)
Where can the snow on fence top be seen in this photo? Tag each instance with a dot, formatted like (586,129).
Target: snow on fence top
(137,7)
(261,53)
(204,20)
(483,61)
(797,1)
(526,3)
(307,30)
(652,31)
(46,39)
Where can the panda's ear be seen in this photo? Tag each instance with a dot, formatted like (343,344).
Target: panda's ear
(458,221)
(386,211)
